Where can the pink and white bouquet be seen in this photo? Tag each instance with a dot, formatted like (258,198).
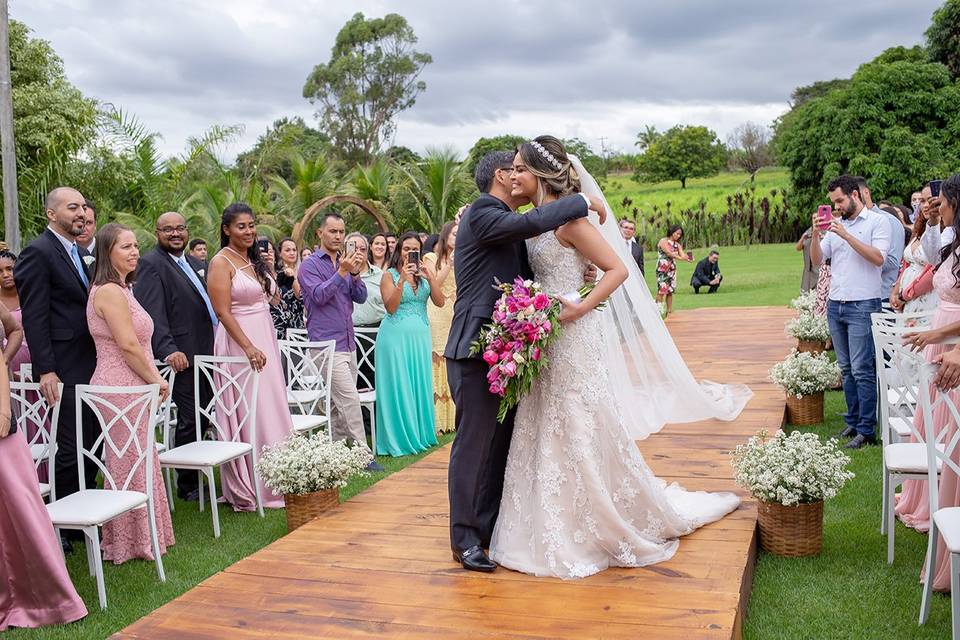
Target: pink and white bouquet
(525,321)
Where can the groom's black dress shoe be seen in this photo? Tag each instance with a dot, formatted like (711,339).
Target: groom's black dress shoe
(847,433)
(474,559)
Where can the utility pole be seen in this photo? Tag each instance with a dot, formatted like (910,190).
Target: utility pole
(8,150)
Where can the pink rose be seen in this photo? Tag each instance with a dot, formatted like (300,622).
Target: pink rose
(535,354)
(490,357)
(541,301)
(510,368)
(547,326)
(499,316)
(493,374)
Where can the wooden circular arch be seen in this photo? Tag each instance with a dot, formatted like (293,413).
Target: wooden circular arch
(365,205)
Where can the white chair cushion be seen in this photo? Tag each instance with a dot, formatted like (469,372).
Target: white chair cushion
(303,396)
(307,423)
(368,395)
(206,453)
(908,457)
(948,522)
(93,507)
(44,489)
(901,427)
(38,451)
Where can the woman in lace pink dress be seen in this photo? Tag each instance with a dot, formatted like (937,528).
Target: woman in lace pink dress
(240,290)
(122,330)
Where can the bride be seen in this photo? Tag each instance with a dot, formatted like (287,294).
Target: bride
(578,496)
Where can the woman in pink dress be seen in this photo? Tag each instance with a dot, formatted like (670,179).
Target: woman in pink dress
(913,507)
(15,350)
(241,289)
(121,330)
(36,589)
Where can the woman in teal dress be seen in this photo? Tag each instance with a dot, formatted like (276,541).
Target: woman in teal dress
(404,373)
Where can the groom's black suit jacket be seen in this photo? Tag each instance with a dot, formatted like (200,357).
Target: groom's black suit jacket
(490,247)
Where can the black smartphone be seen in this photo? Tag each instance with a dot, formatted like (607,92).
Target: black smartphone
(935,188)
(263,245)
(413,257)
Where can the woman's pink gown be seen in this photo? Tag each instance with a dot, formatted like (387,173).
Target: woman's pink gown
(128,536)
(35,589)
(913,506)
(251,309)
(23,357)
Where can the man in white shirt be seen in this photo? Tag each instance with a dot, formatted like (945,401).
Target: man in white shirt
(88,237)
(857,246)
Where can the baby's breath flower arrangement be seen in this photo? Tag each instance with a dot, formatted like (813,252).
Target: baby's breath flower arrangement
(804,374)
(805,302)
(305,464)
(810,327)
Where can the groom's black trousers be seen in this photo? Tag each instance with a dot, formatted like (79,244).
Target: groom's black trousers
(478,456)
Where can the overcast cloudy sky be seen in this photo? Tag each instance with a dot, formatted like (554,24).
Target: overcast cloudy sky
(596,69)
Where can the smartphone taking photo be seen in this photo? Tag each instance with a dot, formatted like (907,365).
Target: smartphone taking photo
(351,247)
(935,188)
(413,257)
(824,217)
(263,245)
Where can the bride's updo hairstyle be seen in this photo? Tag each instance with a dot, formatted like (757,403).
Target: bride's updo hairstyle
(546,158)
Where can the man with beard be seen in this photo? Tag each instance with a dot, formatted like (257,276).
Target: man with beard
(856,245)
(172,292)
(52,279)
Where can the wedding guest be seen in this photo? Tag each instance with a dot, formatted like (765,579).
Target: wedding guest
(122,331)
(669,250)
(915,200)
(240,289)
(290,311)
(198,251)
(331,285)
(15,349)
(52,279)
(405,414)
(170,288)
(88,238)
(811,271)
(391,238)
(857,246)
(379,254)
(305,253)
(894,255)
(440,321)
(370,312)
(37,590)
(707,274)
(628,229)
(917,266)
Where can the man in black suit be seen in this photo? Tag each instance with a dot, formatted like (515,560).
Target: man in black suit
(53,279)
(628,229)
(707,274)
(172,291)
(489,246)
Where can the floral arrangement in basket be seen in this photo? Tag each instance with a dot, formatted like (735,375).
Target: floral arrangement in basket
(791,469)
(805,302)
(525,321)
(305,464)
(809,326)
(804,374)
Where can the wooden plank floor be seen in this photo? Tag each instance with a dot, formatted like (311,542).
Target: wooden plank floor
(379,565)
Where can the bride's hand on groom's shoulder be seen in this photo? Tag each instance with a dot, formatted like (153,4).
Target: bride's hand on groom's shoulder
(596,204)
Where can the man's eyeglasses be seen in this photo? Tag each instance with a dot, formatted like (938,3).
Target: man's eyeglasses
(168,230)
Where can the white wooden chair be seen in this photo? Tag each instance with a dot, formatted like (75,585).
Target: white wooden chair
(26,372)
(894,393)
(898,370)
(234,386)
(164,422)
(366,340)
(309,371)
(942,452)
(88,509)
(32,411)
(297,335)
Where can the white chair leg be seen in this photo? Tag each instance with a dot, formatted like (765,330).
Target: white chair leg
(91,562)
(256,492)
(169,484)
(891,528)
(928,574)
(93,540)
(373,430)
(59,533)
(200,487)
(213,502)
(955,594)
(884,505)
(155,540)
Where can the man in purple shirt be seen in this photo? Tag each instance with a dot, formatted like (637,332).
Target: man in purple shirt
(330,286)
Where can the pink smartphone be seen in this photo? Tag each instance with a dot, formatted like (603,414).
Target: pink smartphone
(825,215)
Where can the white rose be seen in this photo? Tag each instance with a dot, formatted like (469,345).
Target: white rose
(518,358)
(88,260)
(201,272)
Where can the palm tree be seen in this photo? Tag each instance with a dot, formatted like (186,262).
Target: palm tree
(647,137)
(439,186)
(311,181)
(204,208)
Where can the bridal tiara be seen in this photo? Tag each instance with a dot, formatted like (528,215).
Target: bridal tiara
(546,154)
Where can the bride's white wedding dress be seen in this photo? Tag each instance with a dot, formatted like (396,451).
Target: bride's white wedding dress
(578,496)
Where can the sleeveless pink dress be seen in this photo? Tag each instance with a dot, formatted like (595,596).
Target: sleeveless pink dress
(128,536)
(23,357)
(251,309)
(35,588)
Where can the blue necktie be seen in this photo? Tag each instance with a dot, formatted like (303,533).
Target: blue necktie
(75,254)
(192,275)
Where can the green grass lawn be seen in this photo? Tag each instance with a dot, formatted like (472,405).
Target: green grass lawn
(133,589)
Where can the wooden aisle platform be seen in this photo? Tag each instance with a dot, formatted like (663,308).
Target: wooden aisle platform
(380,566)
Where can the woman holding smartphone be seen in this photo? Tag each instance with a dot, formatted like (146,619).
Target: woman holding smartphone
(404,379)
(669,250)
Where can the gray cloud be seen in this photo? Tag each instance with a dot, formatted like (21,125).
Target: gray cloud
(603,68)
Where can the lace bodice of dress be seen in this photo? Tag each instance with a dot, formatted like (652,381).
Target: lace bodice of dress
(945,283)
(109,356)
(412,303)
(559,269)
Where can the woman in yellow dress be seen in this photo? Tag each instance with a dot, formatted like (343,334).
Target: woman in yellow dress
(440,319)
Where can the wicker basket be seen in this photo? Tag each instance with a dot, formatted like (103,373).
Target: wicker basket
(302,508)
(805,410)
(795,531)
(811,346)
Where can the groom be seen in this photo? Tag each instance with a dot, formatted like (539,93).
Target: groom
(489,246)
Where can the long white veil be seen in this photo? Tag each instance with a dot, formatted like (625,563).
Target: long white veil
(647,371)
